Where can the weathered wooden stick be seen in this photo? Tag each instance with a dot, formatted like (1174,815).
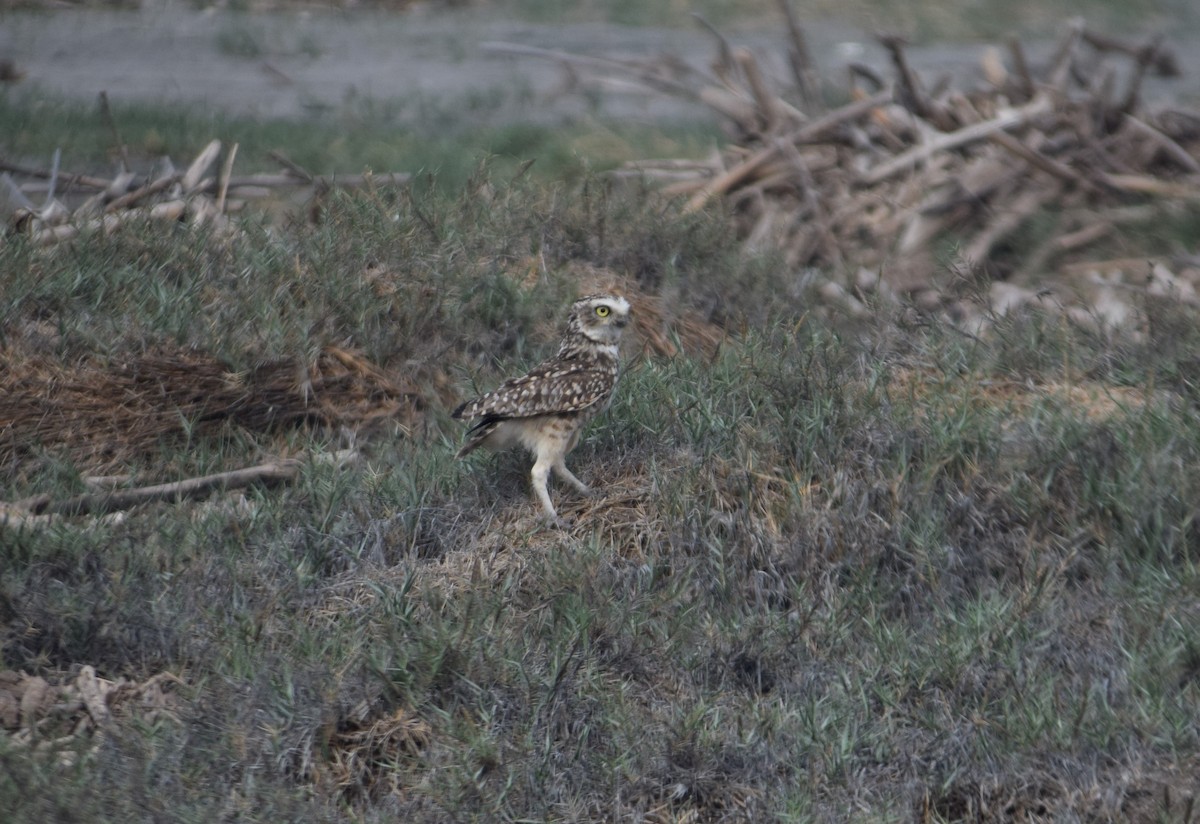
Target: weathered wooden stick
(1147,185)
(1164,60)
(223,185)
(820,128)
(106,113)
(951,140)
(1082,237)
(911,93)
(1172,149)
(683,187)
(208,155)
(1041,161)
(724,51)
(1064,56)
(856,70)
(93,696)
(155,187)
(738,109)
(110,501)
(722,183)
(293,167)
(284,470)
(1021,67)
(1145,57)
(758,87)
(807,81)
(45,174)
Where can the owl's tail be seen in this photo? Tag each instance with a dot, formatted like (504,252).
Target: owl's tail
(476,435)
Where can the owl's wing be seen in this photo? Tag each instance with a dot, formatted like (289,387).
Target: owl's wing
(555,387)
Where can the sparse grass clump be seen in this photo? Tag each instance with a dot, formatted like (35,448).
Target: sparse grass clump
(901,572)
(439,140)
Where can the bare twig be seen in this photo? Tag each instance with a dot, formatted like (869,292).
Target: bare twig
(145,191)
(284,470)
(98,183)
(910,93)
(803,70)
(724,63)
(1064,56)
(1169,147)
(726,181)
(820,128)
(1039,160)
(1164,61)
(111,501)
(106,113)
(293,167)
(226,171)
(1145,57)
(763,99)
(1021,67)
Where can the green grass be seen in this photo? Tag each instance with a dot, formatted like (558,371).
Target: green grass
(450,141)
(886,570)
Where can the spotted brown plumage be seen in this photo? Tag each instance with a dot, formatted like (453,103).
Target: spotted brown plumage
(546,409)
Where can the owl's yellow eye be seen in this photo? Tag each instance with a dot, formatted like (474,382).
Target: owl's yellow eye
(602,311)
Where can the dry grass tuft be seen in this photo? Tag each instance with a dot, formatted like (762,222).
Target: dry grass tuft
(1138,794)
(1095,401)
(101,414)
(363,752)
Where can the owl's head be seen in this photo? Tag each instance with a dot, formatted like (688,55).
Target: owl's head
(599,318)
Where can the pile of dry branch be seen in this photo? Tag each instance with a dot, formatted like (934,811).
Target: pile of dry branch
(873,189)
(36,713)
(74,203)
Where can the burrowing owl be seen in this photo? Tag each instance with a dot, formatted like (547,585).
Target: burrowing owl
(545,410)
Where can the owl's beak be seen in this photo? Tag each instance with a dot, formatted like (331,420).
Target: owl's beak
(621,321)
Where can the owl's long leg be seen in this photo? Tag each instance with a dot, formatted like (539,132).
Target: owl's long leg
(560,467)
(540,475)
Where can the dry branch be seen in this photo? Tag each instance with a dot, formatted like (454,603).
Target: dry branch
(160,185)
(1026,87)
(957,139)
(1039,160)
(1169,147)
(226,171)
(118,499)
(170,195)
(45,174)
(195,173)
(808,82)
(110,121)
